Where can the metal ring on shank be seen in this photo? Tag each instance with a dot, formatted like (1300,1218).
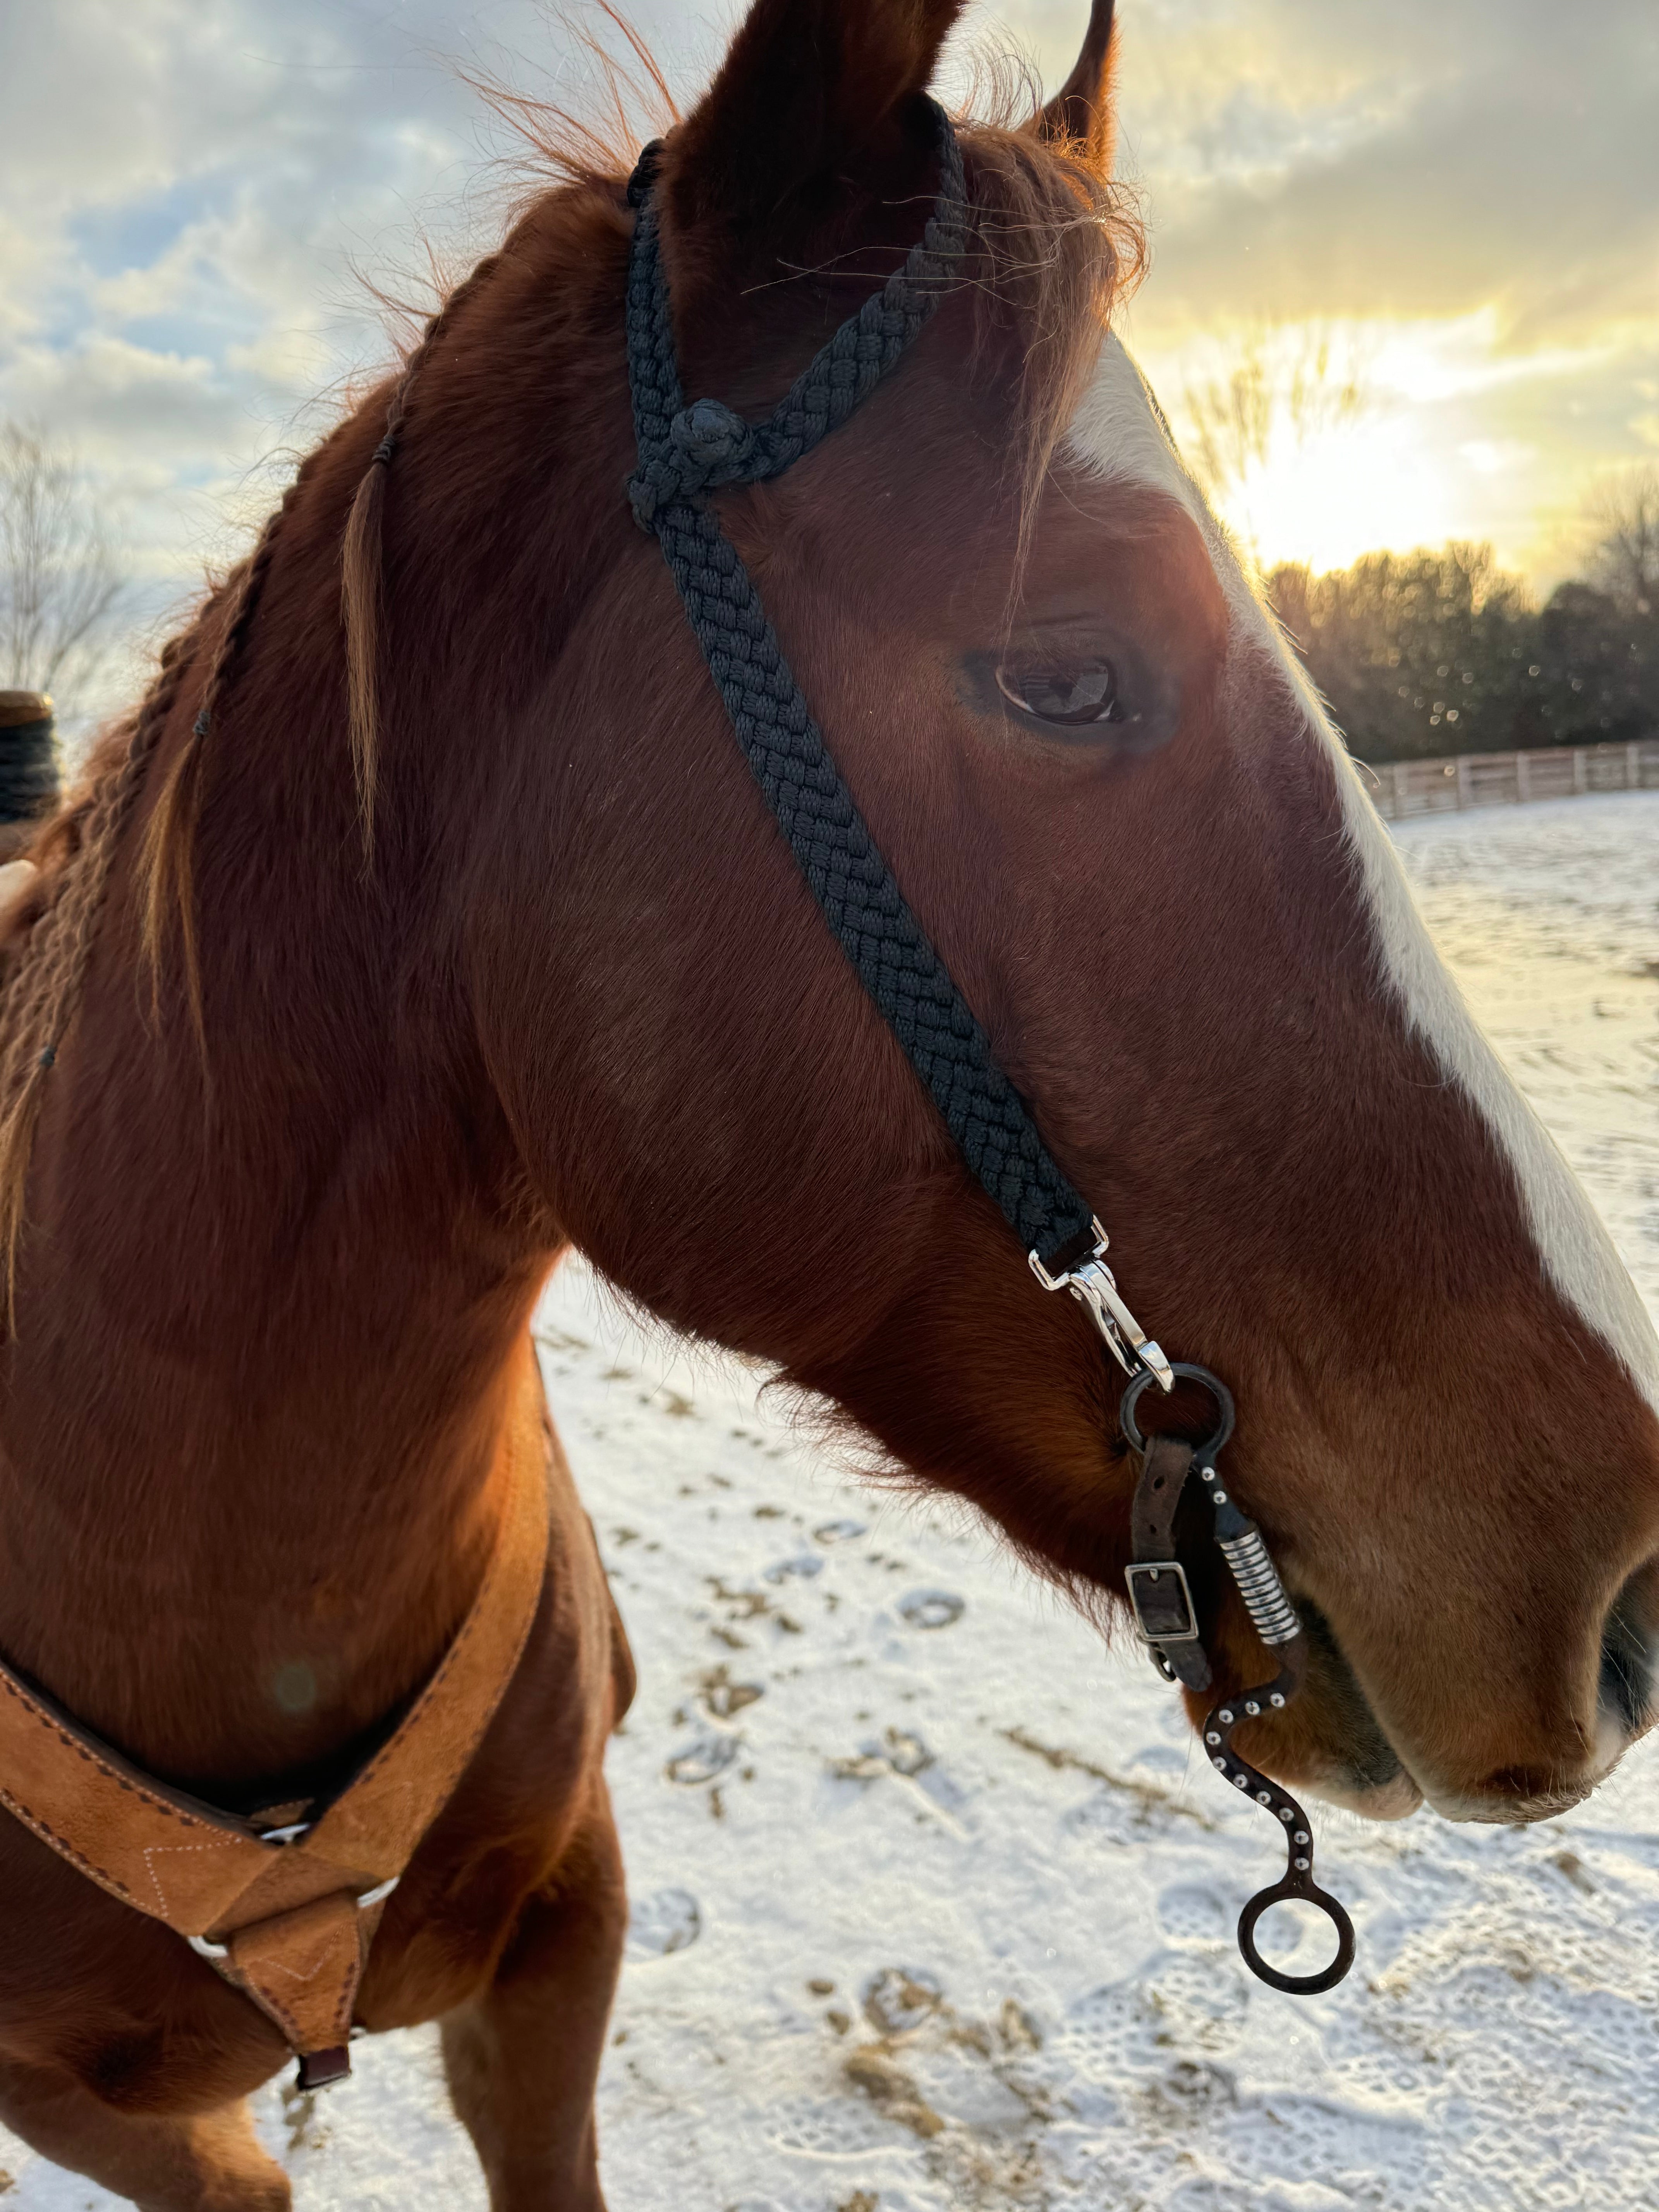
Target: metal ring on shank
(1297,1882)
(1307,1893)
(1182,1369)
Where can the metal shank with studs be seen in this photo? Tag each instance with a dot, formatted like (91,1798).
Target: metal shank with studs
(1299,1880)
(1169,1626)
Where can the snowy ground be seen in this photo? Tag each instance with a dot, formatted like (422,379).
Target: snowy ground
(934,1907)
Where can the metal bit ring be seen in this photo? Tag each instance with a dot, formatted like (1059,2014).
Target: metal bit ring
(1306,1890)
(1204,1454)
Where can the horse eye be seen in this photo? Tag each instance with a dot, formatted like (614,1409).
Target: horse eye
(1071,698)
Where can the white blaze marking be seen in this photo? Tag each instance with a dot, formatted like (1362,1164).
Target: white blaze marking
(1116,435)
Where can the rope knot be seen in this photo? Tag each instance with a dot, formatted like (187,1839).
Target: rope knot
(715,442)
(707,445)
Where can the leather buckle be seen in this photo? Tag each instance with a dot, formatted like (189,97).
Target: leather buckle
(1162,1601)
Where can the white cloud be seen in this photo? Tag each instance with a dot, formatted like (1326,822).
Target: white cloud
(189,194)
(120,401)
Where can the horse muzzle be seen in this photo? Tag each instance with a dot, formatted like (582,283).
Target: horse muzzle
(1512,1793)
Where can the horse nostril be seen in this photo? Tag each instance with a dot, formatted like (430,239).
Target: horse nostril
(1625,1686)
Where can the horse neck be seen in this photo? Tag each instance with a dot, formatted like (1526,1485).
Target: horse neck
(271,1291)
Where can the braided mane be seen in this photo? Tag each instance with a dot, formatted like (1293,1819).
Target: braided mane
(52,931)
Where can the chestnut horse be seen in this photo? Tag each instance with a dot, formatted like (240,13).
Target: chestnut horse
(326,1117)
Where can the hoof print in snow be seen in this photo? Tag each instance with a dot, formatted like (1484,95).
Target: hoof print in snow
(899,1999)
(703,1760)
(905,1754)
(722,1698)
(1192,2089)
(901,1752)
(805,1564)
(931,1608)
(1190,1913)
(667,1921)
(839,1532)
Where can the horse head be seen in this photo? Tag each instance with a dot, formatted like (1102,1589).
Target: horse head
(1124,819)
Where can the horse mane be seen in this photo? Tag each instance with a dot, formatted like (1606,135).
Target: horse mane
(1055,244)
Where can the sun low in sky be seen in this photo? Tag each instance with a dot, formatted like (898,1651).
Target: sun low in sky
(1322,440)
(1456,200)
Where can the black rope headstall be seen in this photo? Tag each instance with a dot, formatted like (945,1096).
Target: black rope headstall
(685,454)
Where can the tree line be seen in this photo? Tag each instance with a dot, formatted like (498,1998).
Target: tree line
(1428,653)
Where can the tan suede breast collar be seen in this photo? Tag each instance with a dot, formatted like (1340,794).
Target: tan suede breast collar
(288,1915)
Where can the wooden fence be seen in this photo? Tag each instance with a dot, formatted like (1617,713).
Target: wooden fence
(1439,787)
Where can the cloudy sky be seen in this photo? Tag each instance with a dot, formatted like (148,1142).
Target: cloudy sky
(1456,201)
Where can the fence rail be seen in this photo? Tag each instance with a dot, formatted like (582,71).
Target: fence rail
(1441,787)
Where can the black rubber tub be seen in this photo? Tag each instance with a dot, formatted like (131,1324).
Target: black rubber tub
(28,756)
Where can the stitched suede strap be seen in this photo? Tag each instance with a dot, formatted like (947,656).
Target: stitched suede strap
(295,1936)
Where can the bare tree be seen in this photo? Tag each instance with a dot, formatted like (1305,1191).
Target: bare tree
(1284,388)
(60,584)
(1623,518)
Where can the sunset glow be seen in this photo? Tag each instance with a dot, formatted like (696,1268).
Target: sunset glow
(1450,436)
(184,243)
(1343,493)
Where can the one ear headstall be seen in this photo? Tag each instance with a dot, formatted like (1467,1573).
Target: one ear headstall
(686,456)
(1167,1619)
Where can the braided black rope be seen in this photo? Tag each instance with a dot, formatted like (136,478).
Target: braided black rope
(685,453)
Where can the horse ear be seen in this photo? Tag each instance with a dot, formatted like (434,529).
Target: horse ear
(814,96)
(1080,113)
